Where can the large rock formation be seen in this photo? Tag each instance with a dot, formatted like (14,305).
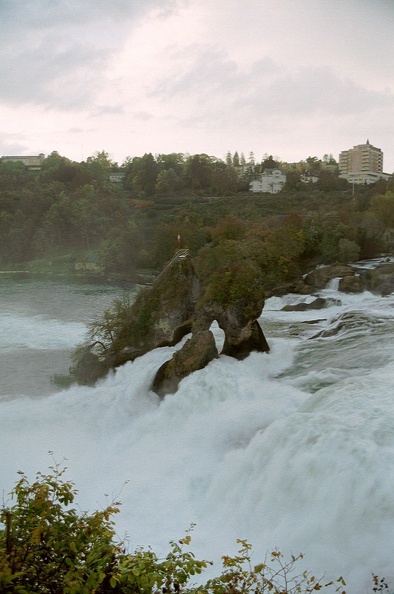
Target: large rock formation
(178,304)
(162,314)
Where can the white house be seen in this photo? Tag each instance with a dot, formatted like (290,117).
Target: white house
(271,181)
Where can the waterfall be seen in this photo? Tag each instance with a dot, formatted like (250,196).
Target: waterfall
(333,284)
(291,449)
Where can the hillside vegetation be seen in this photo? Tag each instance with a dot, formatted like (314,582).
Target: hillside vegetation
(71,212)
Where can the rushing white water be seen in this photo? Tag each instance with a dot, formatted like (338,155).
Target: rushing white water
(294,449)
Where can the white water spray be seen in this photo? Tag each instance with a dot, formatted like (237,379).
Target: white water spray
(243,449)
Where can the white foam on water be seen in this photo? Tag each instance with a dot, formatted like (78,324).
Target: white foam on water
(243,449)
(37,332)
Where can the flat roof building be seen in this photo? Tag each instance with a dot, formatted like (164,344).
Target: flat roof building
(31,162)
(362,164)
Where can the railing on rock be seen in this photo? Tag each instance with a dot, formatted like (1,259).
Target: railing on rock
(179,255)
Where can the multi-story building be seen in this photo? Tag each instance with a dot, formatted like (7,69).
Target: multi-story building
(363,164)
(31,162)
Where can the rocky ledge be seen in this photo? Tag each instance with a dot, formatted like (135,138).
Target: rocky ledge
(351,278)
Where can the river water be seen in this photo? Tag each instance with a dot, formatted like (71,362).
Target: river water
(293,449)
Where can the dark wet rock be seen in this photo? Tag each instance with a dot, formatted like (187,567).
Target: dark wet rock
(320,277)
(353,279)
(318,303)
(387,287)
(298,287)
(380,279)
(89,368)
(250,339)
(352,284)
(353,320)
(162,314)
(195,354)
(242,332)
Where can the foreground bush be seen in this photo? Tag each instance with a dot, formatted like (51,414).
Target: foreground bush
(48,547)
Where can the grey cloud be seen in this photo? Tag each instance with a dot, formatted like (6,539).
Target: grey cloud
(210,69)
(100,110)
(55,52)
(50,74)
(12,144)
(208,78)
(42,14)
(311,91)
(265,67)
(142,115)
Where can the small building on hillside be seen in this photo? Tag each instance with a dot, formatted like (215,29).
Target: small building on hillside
(271,181)
(31,162)
(309,178)
(116,177)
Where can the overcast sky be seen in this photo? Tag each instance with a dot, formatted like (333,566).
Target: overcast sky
(291,78)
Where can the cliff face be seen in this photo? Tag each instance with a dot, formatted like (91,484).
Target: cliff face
(162,314)
(178,304)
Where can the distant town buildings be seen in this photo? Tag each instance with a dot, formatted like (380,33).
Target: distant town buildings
(363,164)
(309,178)
(271,181)
(116,176)
(31,162)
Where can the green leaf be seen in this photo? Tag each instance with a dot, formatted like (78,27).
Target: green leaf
(113,582)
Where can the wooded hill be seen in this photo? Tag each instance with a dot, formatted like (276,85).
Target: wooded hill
(71,212)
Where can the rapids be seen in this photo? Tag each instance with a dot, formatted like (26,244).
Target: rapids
(292,449)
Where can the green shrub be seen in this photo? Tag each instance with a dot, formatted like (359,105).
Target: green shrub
(236,282)
(47,546)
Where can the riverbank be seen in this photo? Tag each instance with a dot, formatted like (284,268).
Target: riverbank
(69,268)
(11,272)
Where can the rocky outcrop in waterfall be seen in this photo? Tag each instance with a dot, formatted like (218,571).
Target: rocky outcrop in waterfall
(320,277)
(317,303)
(195,354)
(381,278)
(355,278)
(177,304)
(182,301)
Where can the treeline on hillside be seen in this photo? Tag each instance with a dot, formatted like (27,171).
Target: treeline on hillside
(74,211)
